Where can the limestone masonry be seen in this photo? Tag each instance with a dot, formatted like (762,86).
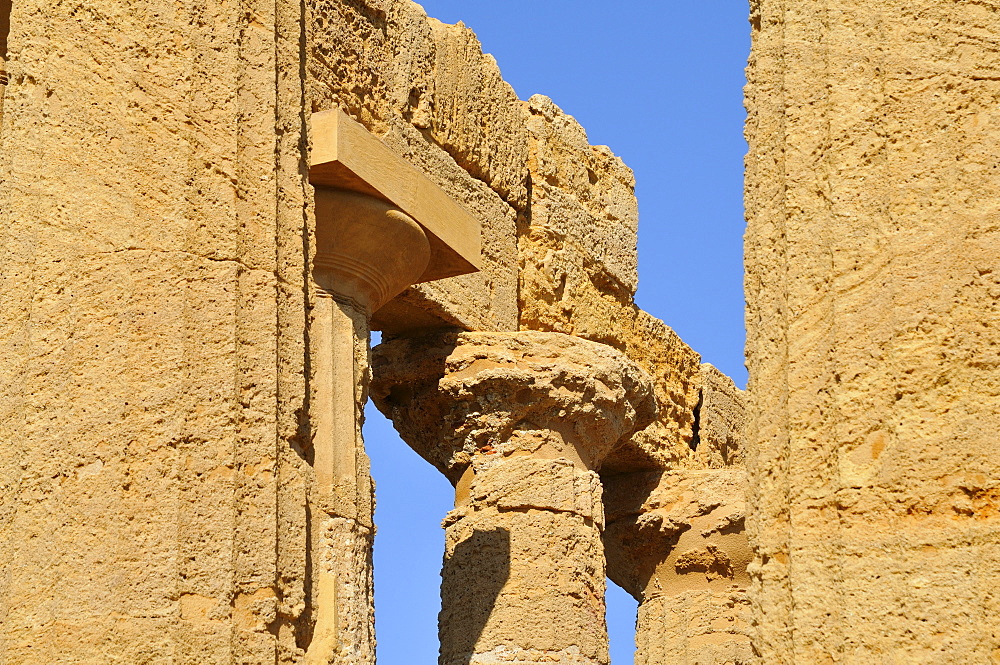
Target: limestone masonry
(206,208)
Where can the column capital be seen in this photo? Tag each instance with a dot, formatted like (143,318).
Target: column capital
(344,155)
(670,531)
(476,398)
(367,250)
(520,423)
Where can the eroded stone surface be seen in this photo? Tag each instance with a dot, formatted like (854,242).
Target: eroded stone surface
(429,92)
(577,252)
(486,300)
(462,398)
(721,421)
(153,330)
(585,193)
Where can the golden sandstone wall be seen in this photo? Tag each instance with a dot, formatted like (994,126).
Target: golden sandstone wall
(874,345)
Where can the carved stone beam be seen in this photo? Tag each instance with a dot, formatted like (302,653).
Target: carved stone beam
(369,248)
(676,542)
(520,423)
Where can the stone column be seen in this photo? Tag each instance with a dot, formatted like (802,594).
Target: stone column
(367,252)
(873,331)
(676,542)
(520,423)
(153,322)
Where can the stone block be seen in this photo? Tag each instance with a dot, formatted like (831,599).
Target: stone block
(577,252)
(721,438)
(346,156)
(677,542)
(385,63)
(484,300)
(563,165)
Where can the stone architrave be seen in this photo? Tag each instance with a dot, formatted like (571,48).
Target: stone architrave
(368,250)
(520,423)
(676,541)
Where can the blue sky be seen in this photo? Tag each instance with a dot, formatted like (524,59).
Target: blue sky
(661,83)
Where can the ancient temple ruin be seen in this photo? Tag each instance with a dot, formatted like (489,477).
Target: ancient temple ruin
(206,208)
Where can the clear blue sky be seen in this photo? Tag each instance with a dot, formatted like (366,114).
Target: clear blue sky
(661,83)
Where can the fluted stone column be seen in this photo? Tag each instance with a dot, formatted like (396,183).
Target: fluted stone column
(873,331)
(676,542)
(520,423)
(367,252)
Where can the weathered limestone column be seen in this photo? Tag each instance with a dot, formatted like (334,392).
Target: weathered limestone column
(519,422)
(367,252)
(152,331)
(873,321)
(676,542)
(381,226)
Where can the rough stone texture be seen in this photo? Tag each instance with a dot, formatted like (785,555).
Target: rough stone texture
(385,60)
(721,438)
(676,541)
(344,569)
(469,398)
(156,389)
(430,93)
(5,9)
(486,300)
(519,423)
(159,390)
(874,331)
(340,502)
(585,193)
(152,209)
(578,246)
(577,252)
(523,577)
